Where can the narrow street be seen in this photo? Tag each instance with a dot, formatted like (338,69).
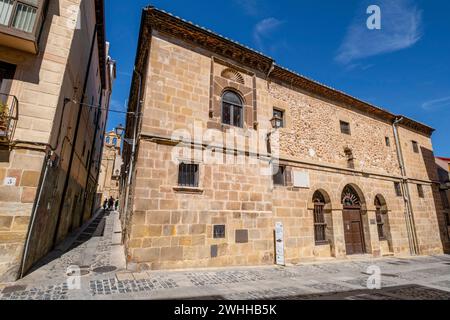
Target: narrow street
(96,249)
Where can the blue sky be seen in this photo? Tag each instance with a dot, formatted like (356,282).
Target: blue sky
(404,67)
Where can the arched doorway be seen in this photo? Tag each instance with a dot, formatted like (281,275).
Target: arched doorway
(353,226)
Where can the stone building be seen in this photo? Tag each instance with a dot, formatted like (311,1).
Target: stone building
(56,80)
(229,143)
(111,165)
(443,167)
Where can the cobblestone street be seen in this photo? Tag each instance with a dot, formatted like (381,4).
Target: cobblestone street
(99,254)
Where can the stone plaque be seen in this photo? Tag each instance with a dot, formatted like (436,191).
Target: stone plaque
(241,236)
(301,179)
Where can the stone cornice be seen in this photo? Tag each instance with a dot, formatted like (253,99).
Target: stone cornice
(163,22)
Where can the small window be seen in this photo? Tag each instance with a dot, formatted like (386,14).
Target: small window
(398,189)
(345,127)
(219,231)
(25,17)
(188,175)
(415,146)
(388,141)
(279,116)
(279,176)
(319,218)
(232,109)
(420,191)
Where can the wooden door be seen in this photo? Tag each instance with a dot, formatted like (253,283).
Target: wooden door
(353,231)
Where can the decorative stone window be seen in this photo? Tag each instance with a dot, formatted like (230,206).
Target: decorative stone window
(350,159)
(420,191)
(319,218)
(232,109)
(345,127)
(415,146)
(279,177)
(398,189)
(188,175)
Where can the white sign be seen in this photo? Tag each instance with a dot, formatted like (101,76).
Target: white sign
(279,243)
(10,181)
(301,179)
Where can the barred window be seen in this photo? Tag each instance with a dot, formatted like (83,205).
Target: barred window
(388,141)
(188,175)
(319,218)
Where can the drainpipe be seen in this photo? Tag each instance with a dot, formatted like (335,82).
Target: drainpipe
(133,148)
(33,215)
(75,137)
(409,216)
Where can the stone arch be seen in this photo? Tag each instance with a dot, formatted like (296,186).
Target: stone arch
(359,191)
(235,91)
(320,205)
(355,217)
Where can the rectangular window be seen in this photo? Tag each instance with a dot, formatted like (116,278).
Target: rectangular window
(345,127)
(398,189)
(279,115)
(6,10)
(188,175)
(420,191)
(25,17)
(415,146)
(219,231)
(279,176)
(388,141)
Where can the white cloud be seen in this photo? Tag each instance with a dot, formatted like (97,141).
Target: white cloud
(436,104)
(249,6)
(400,28)
(263,29)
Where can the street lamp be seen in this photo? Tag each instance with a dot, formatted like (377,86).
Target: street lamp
(276,122)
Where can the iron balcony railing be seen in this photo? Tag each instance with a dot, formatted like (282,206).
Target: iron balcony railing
(9,114)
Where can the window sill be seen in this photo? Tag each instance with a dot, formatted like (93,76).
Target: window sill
(322,243)
(192,190)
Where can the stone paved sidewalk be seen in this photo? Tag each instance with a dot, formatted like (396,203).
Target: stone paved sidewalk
(99,253)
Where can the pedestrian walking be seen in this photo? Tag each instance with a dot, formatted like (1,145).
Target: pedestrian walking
(111,203)
(116,204)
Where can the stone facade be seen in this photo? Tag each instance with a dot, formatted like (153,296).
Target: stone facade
(108,182)
(55,150)
(185,72)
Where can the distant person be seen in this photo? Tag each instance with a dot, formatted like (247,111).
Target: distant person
(116,205)
(105,204)
(111,203)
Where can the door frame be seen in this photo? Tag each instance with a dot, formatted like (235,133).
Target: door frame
(361,227)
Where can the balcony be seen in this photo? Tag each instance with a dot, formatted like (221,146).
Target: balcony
(20,23)
(9,114)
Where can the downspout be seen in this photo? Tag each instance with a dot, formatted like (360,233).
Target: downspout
(88,174)
(409,217)
(133,149)
(33,216)
(74,142)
